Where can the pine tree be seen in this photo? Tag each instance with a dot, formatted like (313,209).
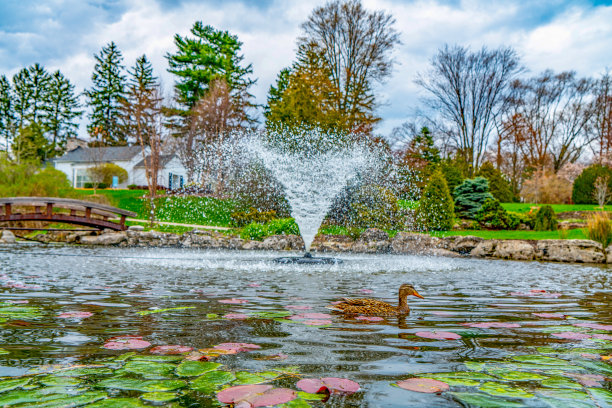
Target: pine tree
(498,185)
(436,207)
(60,113)
(470,196)
(105,95)
(7,114)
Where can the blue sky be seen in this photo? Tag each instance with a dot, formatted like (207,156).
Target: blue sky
(65,34)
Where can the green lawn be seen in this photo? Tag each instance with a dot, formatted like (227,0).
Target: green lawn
(532,235)
(525,207)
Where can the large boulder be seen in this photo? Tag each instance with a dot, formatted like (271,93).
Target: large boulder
(485,249)
(7,237)
(113,238)
(419,244)
(283,243)
(372,241)
(332,243)
(515,249)
(462,244)
(570,250)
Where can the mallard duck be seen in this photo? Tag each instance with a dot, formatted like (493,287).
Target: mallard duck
(375,307)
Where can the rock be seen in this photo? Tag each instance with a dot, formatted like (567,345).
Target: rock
(7,237)
(332,243)
(571,225)
(514,249)
(412,243)
(462,244)
(443,252)
(283,243)
(135,228)
(112,238)
(251,245)
(484,249)
(373,240)
(570,250)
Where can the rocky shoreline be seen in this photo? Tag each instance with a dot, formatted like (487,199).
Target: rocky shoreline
(371,241)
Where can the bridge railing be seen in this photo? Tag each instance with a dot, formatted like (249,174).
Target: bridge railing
(81,212)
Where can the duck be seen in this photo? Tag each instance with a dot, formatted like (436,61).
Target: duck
(373,307)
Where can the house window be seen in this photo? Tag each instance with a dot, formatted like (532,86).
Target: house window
(175,181)
(81,177)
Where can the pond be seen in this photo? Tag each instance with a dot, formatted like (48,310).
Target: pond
(490,333)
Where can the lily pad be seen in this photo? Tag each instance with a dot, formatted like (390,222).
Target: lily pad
(475,365)
(503,390)
(550,315)
(171,309)
(235,316)
(298,307)
(306,396)
(150,369)
(438,335)
(370,318)
(423,385)
(484,401)
(210,381)
(317,322)
(3,351)
(71,400)
(194,368)
(20,312)
(159,396)
(156,357)
(271,314)
(170,349)
(560,382)
(7,385)
(53,381)
(126,343)
(565,394)
(518,376)
(595,326)
(83,371)
(603,396)
(331,384)
(463,382)
(571,335)
(305,316)
(536,359)
(238,347)
(245,378)
(119,403)
(493,325)
(124,383)
(233,301)
(256,395)
(468,375)
(74,315)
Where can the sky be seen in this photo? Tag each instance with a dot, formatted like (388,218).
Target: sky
(65,35)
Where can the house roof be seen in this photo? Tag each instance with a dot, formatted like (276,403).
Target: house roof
(163,160)
(99,154)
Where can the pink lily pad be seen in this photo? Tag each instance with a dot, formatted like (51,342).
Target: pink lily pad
(237,347)
(602,336)
(537,291)
(571,336)
(303,316)
(126,343)
(234,301)
(590,356)
(17,301)
(298,307)
(240,392)
(595,326)
(317,322)
(442,313)
(495,325)
(170,349)
(370,318)
(366,291)
(550,315)
(75,315)
(423,385)
(236,316)
(332,385)
(438,335)
(588,380)
(254,285)
(252,396)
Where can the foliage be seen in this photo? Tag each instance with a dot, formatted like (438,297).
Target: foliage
(253,186)
(514,234)
(498,185)
(257,231)
(470,196)
(104,97)
(545,219)
(452,173)
(373,206)
(7,114)
(583,190)
(104,173)
(28,179)
(61,113)
(101,186)
(492,215)
(546,188)
(436,207)
(559,208)
(599,229)
(242,218)
(30,144)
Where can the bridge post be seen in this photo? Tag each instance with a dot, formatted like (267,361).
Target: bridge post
(7,210)
(49,210)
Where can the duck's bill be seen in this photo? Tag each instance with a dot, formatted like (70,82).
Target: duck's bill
(417,295)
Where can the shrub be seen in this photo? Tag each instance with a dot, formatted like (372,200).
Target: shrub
(452,174)
(545,219)
(599,229)
(104,173)
(470,196)
(546,188)
(100,186)
(132,187)
(28,179)
(436,208)
(242,218)
(498,185)
(366,206)
(493,215)
(584,186)
(282,226)
(254,231)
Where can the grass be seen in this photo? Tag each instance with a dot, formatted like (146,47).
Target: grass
(526,207)
(503,234)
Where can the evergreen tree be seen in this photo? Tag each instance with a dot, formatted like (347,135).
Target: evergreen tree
(545,220)
(105,95)
(30,144)
(436,208)
(209,55)
(498,185)
(61,111)
(470,196)
(7,114)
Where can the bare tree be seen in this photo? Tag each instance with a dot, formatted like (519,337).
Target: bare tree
(602,116)
(468,91)
(355,45)
(601,192)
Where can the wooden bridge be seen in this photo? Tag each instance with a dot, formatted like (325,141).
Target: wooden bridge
(63,210)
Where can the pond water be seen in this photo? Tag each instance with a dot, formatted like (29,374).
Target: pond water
(551,349)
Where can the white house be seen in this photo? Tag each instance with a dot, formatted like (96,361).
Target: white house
(76,162)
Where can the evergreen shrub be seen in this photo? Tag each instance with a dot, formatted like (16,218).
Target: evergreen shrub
(470,196)
(545,219)
(436,207)
(366,206)
(493,215)
(584,185)
(498,185)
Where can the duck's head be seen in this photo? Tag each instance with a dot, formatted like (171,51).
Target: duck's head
(408,290)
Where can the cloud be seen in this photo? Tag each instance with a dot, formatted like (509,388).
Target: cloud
(65,34)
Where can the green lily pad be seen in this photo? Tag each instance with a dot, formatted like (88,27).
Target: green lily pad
(565,394)
(154,357)
(458,381)
(467,375)
(20,312)
(269,375)
(271,315)
(557,403)
(125,356)
(560,382)
(124,383)
(291,370)
(212,380)
(244,378)
(54,381)
(119,403)
(548,350)
(597,367)
(474,365)
(150,369)
(7,385)
(518,375)
(562,328)
(62,390)
(70,401)
(83,371)
(484,400)
(537,359)
(306,396)
(159,396)
(19,397)
(603,396)
(3,351)
(171,309)
(296,403)
(212,316)
(194,368)
(503,390)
